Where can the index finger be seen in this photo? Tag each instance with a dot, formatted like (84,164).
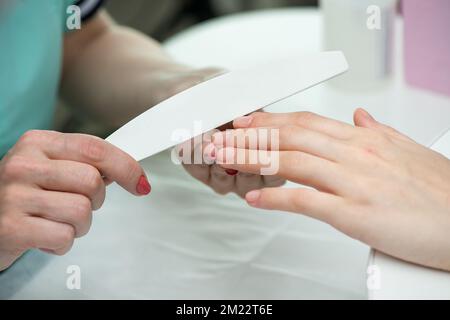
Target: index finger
(113,163)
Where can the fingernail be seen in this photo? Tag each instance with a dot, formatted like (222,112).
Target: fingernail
(242,122)
(252,197)
(231,172)
(210,153)
(143,187)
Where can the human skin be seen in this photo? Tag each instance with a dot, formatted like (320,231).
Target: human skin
(50,182)
(368,181)
(132,73)
(221,180)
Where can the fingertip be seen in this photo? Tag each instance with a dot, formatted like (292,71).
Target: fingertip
(253,198)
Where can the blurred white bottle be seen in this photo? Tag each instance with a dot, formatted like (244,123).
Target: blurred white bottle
(363,30)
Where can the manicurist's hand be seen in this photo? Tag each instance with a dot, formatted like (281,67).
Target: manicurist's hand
(49,185)
(368,181)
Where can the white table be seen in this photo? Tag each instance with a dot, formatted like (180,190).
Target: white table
(424,116)
(185,242)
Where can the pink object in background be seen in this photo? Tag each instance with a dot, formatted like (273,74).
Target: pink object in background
(427,44)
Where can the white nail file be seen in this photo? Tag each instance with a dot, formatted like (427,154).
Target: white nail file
(222,99)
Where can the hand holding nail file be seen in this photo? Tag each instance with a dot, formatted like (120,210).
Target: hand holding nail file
(224,98)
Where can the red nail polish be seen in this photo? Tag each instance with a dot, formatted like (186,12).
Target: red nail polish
(231,172)
(143,187)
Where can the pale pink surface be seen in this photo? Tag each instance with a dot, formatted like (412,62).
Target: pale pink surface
(427,44)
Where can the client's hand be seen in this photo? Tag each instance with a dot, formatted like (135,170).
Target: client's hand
(368,181)
(200,163)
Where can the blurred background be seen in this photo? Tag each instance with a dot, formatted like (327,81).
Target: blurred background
(161,19)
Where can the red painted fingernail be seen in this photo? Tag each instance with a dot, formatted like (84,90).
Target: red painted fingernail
(143,187)
(231,172)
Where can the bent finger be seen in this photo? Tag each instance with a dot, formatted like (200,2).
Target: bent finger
(49,235)
(109,160)
(63,207)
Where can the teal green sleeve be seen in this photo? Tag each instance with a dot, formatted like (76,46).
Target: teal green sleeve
(31,33)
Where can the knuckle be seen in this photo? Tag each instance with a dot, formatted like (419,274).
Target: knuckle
(8,226)
(289,131)
(83,209)
(14,167)
(374,144)
(9,196)
(298,203)
(31,137)
(377,139)
(304,117)
(92,180)
(66,237)
(134,169)
(93,149)
(258,117)
(84,220)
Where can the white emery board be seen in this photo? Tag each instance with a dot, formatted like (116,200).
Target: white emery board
(220,100)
